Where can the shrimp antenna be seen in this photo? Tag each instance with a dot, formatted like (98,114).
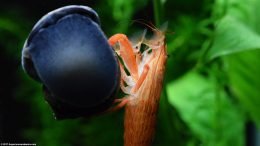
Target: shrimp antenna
(149,25)
(162,28)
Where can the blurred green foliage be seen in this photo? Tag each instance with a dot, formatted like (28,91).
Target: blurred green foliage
(211,84)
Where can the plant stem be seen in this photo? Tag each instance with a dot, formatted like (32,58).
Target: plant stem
(158,12)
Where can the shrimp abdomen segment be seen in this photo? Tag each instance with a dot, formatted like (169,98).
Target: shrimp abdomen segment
(126,53)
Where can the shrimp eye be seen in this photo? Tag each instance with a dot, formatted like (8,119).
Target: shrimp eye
(68,53)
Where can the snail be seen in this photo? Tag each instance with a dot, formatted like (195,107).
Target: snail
(68,53)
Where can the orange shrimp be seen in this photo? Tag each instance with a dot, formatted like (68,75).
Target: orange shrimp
(143,86)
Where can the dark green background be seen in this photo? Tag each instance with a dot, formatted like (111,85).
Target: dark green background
(211,91)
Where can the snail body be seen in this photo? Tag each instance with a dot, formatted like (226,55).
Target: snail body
(69,54)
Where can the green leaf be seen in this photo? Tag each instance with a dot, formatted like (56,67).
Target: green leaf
(231,36)
(237,27)
(208,111)
(243,70)
(237,41)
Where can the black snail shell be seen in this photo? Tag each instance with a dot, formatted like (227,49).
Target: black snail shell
(69,54)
